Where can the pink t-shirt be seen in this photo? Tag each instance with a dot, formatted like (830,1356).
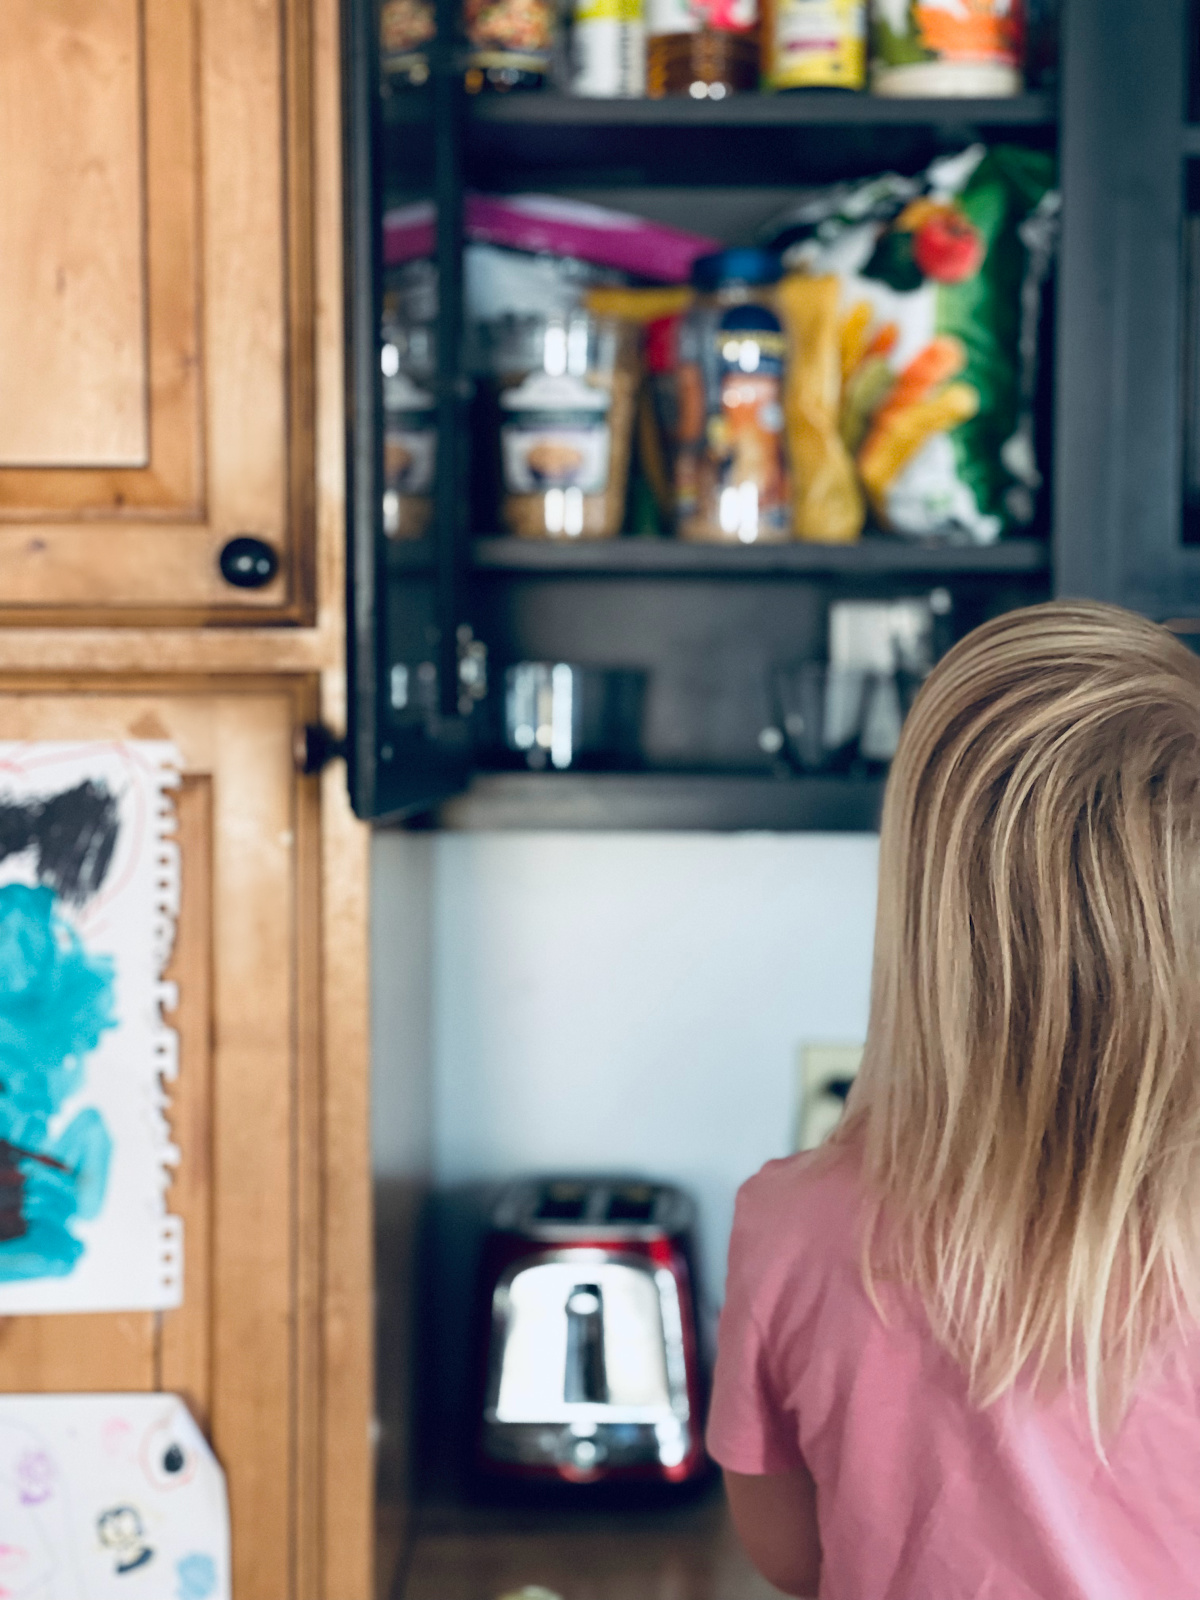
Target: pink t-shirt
(920,1496)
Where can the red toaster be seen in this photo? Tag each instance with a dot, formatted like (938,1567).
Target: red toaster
(591,1371)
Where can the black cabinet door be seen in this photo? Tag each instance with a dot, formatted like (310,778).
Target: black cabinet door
(407,715)
(1118,483)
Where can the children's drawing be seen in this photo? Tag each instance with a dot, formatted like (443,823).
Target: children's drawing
(127,1500)
(120,1531)
(89,889)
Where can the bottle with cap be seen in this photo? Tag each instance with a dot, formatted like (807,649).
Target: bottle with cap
(730,468)
(608,49)
(703,48)
(814,44)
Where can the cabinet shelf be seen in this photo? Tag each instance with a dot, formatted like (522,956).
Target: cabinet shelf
(869,557)
(654,801)
(872,557)
(806,108)
(547,140)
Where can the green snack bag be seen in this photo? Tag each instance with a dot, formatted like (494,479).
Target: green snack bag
(941,279)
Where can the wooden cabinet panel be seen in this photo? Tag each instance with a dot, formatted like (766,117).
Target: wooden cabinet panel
(246,1114)
(70,86)
(155,300)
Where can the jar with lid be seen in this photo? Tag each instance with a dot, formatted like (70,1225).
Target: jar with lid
(814,44)
(731,484)
(703,48)
(406,30)
(567,390)
(407,356)
(510,43)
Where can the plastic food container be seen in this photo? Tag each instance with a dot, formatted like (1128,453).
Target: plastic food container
(567,393)
(731,484)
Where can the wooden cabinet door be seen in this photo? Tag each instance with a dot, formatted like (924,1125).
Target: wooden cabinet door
(155,318)
(248,1347)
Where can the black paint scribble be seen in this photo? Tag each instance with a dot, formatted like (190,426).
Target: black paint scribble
(13,1223)
(74,834)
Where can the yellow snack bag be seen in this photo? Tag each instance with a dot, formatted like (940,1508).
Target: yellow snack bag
(827,503)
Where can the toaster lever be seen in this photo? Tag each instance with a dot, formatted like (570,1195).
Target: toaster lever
(585,1378)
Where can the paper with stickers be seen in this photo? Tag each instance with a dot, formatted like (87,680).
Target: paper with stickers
(89,891)
(109,1495)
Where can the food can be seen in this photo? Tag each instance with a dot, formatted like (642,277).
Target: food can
(509,43)
(608,48)
(815,44)
(947,47)
(406,29)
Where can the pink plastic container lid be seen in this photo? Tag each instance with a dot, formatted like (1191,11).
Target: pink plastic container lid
(545,224)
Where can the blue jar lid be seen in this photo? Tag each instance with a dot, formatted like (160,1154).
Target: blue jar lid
(744,265)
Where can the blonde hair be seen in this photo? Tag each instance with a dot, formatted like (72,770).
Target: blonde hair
(1028,1108)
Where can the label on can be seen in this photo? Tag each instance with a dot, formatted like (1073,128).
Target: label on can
(522,30)
(818,44)
(912,33)
(405,26)
(547,450)
(690,16)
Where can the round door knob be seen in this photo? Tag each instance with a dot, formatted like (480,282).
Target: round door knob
(248,563)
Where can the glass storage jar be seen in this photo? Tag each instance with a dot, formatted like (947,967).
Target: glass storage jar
(567,387)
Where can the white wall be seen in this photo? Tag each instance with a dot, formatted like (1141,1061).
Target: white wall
(401,1005)
(636,1000)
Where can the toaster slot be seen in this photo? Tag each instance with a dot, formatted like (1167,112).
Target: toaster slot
(585,1378)
(562,1202)
(634,1203)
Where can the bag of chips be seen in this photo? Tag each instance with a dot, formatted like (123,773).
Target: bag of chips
(939,296)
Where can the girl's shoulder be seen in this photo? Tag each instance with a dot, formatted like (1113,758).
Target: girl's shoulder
(811,1198)
(797,1230)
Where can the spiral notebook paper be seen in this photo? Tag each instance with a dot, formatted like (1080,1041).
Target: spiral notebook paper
(89,893)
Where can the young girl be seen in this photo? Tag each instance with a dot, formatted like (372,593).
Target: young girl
(959,1356)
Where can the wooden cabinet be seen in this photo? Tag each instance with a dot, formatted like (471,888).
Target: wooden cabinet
(171,306)
(245,1347)
(155,307)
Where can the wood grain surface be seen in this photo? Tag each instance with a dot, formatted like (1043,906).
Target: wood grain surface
(72,314)
(157,266)
(114,623)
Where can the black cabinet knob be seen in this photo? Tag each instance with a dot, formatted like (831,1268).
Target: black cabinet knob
(247,562)
(315,746)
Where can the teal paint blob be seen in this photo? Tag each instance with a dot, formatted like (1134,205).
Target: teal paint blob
(197,1576)
(56,1000)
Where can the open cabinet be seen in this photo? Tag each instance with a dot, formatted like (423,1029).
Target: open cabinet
(437,619)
